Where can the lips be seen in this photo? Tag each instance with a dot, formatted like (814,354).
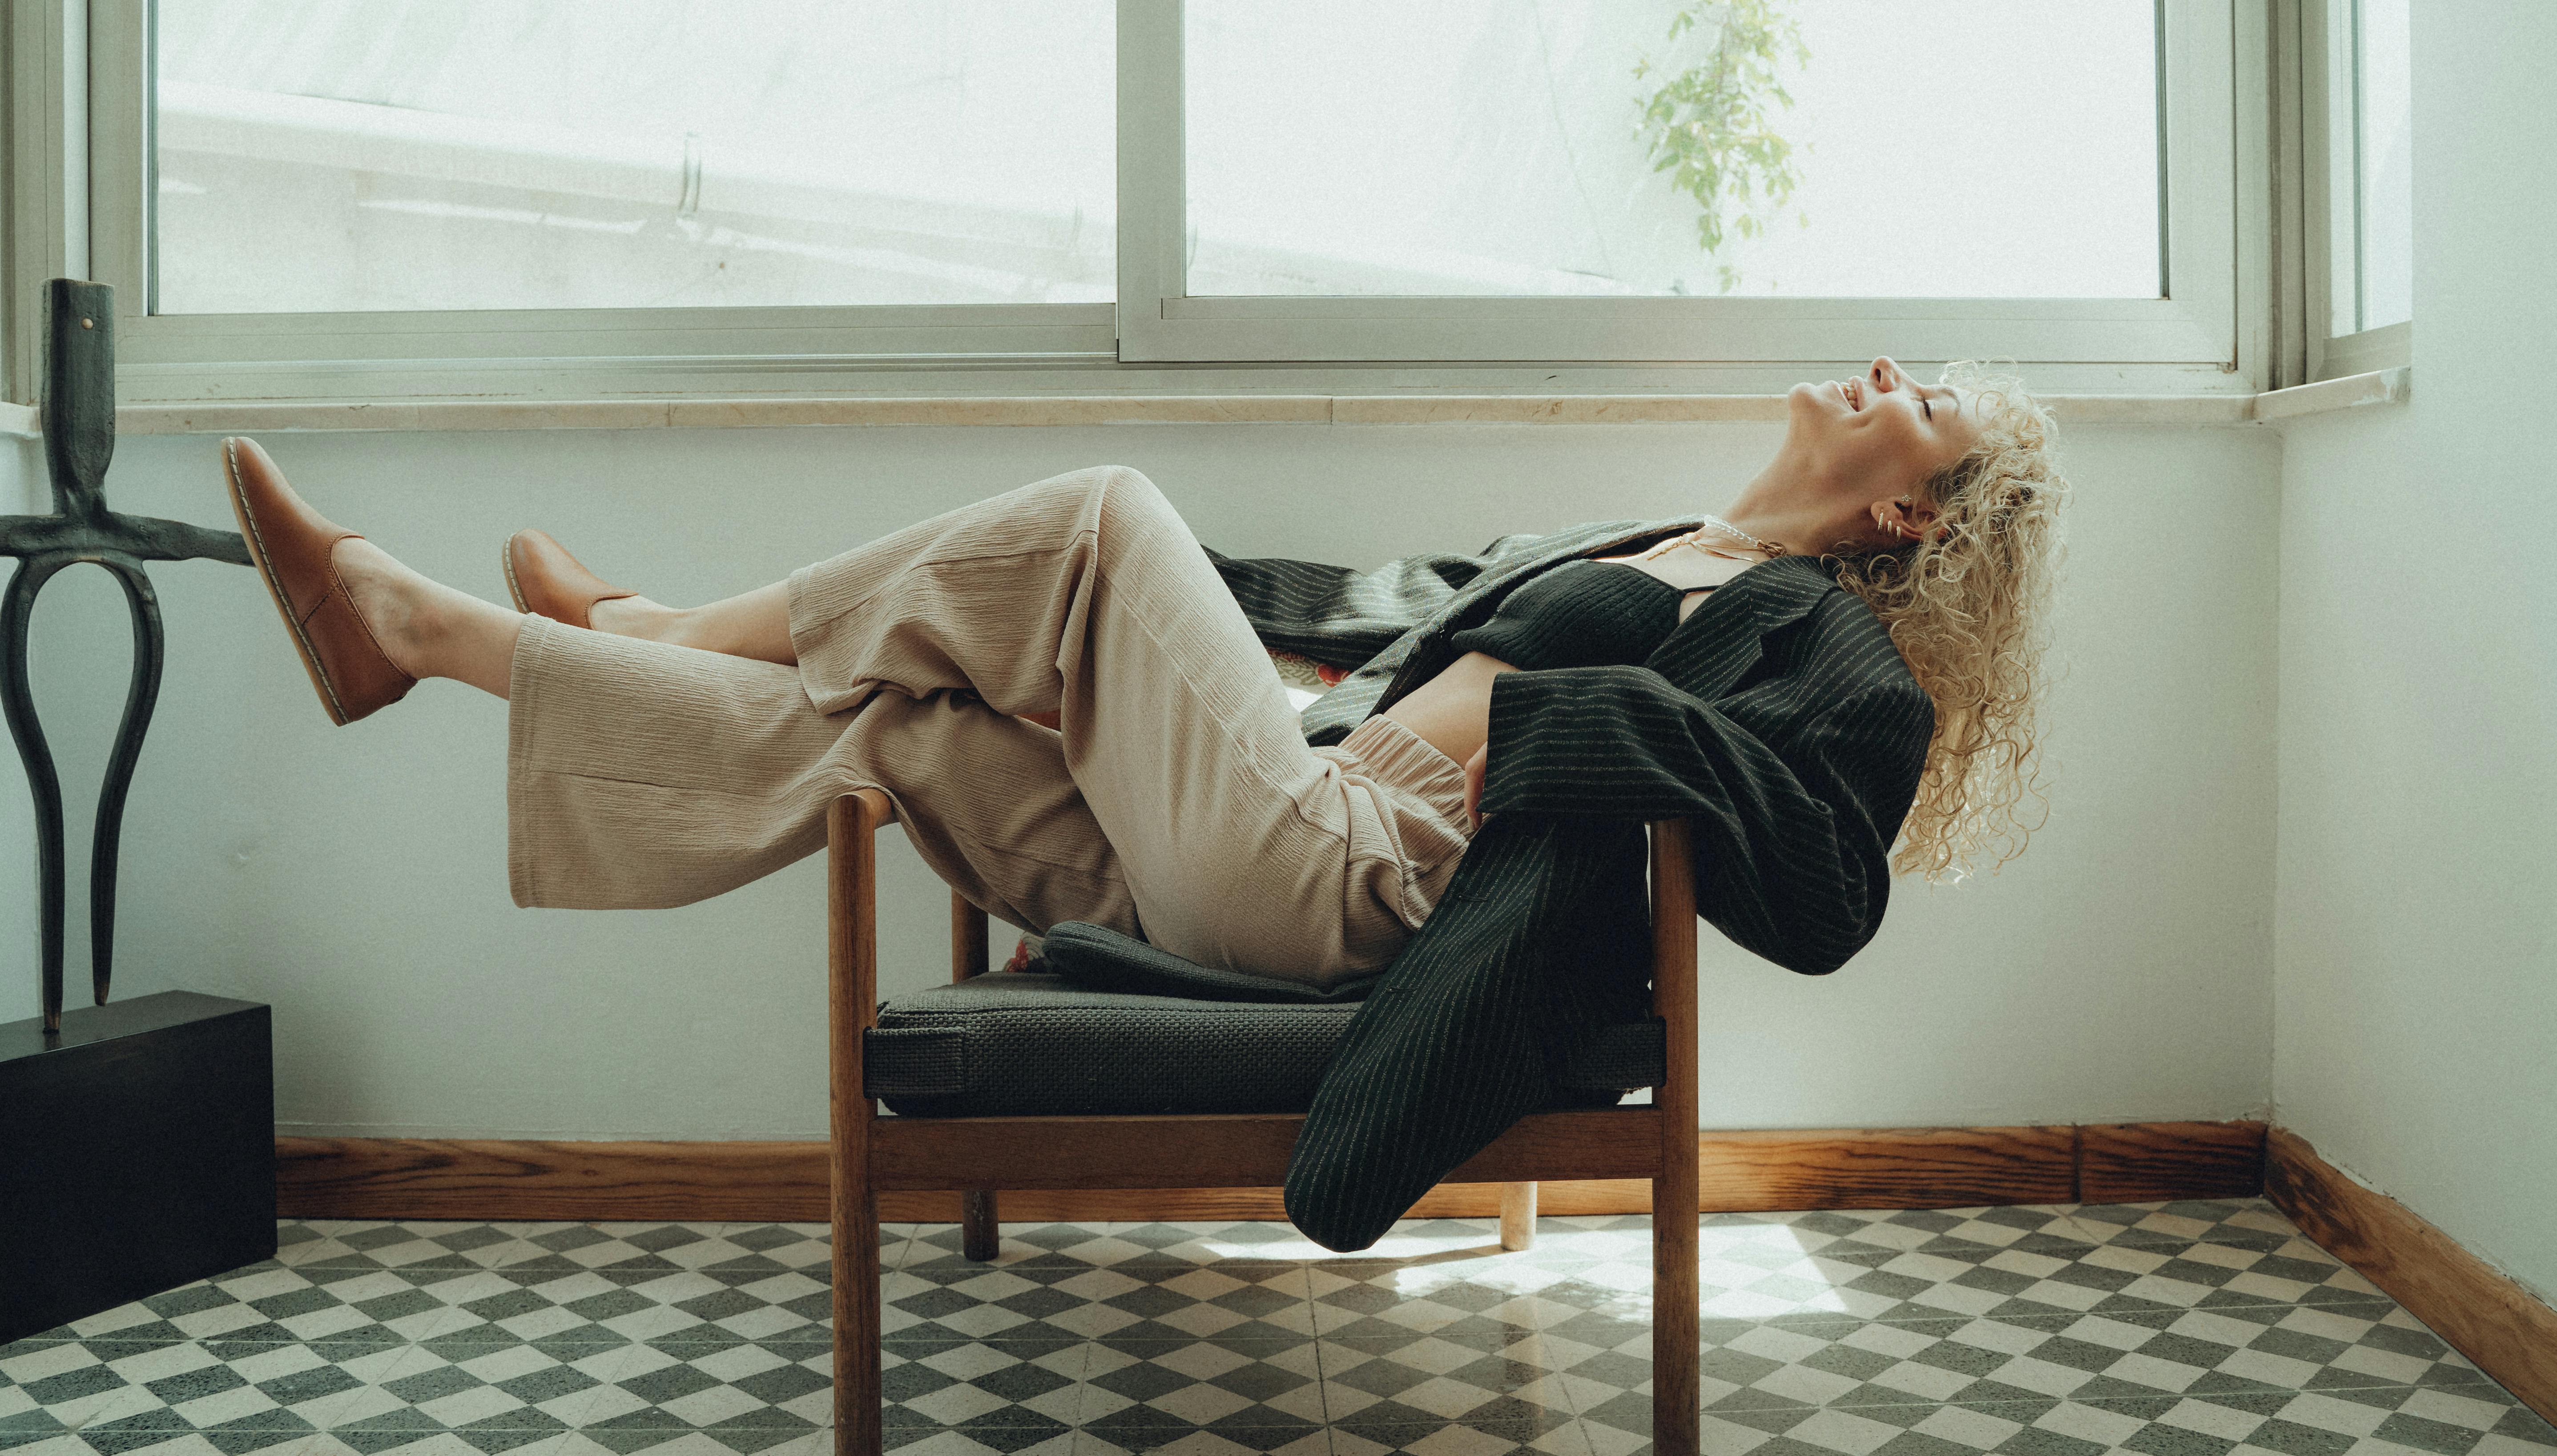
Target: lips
(1852,391)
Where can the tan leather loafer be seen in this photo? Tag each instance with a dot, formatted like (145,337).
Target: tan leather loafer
(293,548)
(547,581)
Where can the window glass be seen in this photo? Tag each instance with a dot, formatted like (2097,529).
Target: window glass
(1838,148)
(325,155)
(2373,262)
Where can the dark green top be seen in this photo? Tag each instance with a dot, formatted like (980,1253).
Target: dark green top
(1582,613)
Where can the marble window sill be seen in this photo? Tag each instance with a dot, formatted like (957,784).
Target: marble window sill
(2384,386)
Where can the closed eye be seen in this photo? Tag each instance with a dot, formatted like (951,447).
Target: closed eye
(1929,407)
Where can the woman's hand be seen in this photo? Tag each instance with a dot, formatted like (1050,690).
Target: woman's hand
(1474,767)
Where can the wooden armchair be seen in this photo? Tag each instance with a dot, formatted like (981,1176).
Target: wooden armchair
(980,1155)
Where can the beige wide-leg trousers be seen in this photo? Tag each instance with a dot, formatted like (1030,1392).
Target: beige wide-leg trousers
(1179,802)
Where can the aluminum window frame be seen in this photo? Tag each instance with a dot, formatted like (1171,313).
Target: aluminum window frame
(682,349)
(2211,336)
(44,49)
(2196,322)
(2328,355)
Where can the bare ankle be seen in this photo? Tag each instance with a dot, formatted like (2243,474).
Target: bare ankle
(632,617)
(673,624)
(691,626)
(426,628)
(756,626)
(397,605)
(445,632)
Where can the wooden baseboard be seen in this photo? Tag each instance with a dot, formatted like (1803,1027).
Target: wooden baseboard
(2494,1322)
(1899,1167)
(2154,1163)
(1927,1167)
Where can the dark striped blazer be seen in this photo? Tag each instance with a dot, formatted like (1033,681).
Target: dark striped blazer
(1778,719)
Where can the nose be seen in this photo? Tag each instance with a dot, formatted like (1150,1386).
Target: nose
(1886,374)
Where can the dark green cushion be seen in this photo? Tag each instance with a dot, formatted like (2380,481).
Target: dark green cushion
(1097,958)
(1016,1043)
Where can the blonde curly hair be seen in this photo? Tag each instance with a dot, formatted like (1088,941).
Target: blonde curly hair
(1968,605)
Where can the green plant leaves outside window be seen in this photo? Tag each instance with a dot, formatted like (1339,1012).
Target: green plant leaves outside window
(1713,127)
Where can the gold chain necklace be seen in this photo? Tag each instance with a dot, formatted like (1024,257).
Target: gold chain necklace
(1773,548)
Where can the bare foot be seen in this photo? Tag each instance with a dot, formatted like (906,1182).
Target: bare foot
(396,603)
(425,627)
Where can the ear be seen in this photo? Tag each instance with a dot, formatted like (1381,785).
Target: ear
(1903,519)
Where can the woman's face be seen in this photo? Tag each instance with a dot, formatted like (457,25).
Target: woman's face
(1881,434)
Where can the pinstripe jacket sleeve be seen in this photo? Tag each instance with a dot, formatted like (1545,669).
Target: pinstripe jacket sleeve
(1794,829)
(1342,617)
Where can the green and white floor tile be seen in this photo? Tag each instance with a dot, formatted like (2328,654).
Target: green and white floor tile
(2182,1329)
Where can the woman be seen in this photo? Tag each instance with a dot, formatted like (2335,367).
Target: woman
(1072,707)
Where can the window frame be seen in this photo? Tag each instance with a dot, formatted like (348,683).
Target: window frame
(2196,322)
(2326,354)
(2201,340)
(504,341)
(46,174)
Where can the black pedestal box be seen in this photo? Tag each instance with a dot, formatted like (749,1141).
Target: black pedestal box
(137,1153)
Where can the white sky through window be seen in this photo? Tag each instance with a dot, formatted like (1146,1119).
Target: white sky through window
(488,154)
(479,154)
(1946,148)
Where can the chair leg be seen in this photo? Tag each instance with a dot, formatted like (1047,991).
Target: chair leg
(981,1234)
(1677,1361)
(1677,1355)
(1518,1216)
(857,1327)
(968,939)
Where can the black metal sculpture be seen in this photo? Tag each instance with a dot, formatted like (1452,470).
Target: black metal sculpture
(80,439)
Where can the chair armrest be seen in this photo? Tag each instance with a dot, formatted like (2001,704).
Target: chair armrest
(853,823)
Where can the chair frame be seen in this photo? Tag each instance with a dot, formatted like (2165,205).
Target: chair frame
(872,1154)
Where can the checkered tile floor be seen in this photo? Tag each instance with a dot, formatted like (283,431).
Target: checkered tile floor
(2185,1329)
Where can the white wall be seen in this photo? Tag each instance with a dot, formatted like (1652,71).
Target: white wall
(2416,942)
(355,878)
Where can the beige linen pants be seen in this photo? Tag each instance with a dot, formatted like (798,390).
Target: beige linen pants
(1180,800)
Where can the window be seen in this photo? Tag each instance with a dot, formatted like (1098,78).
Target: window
(1534,180)
(2359,185)
(585,197)
(1597,149)
(629,154)
(371,197)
